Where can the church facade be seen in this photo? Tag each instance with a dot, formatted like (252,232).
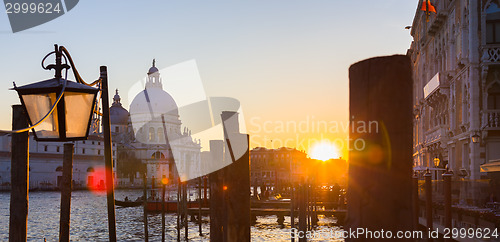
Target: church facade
(150,136)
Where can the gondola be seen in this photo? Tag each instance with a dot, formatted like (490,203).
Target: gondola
(128,203)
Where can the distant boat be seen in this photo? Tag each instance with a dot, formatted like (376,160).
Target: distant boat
(128,203)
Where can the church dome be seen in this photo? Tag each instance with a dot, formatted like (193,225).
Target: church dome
(153,100)
(153,69)
(117,114)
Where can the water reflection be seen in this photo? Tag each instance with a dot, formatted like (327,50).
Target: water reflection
(89,220)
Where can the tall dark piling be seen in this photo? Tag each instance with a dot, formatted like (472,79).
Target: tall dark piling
(163,188)
(64,220)
(179,209)
(108,155)
(237,179)
(302,212)
(19,175)
(145,206)
(428,199)
(292,210)
(415,200)
(199,207)
(217,212)
(184,210)
(380,134)
(447,199)
(238,193)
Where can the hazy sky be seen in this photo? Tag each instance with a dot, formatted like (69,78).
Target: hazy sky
(286,61)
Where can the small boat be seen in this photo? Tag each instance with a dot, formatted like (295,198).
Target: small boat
(128,203)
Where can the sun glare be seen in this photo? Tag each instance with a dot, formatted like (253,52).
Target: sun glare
(324,150)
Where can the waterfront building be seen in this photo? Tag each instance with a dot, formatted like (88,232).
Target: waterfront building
(46,160)
(142,136)
(456,72)
(277,167)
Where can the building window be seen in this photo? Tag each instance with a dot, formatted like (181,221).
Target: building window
(493,24)
(117,129)
(57,149)
(98,152)
(494,96)
(83,151)
(44,148)
(157,155)
(160,135)
(151,134)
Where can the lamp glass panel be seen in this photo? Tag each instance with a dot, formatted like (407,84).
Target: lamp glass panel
(38,105)
(78,109)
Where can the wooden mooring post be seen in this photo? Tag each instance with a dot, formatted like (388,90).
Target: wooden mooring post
(108,154)
(237,179)
(447,199)
(292,209)
(415,201)
(19,173)
(302,211)
(428,199)
(163,188)
(216,183)
(64,219)
(145,201)
(200,203)
(179,209)
(381,145)
(184,210)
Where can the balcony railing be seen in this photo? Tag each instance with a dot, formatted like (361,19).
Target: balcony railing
(491,119)
(438,133)
(491,54)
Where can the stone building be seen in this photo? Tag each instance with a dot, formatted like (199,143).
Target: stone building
(46,160)
(148,131)
(456,64)
(275,167)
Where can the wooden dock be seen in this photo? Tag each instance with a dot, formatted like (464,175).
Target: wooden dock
(279,212)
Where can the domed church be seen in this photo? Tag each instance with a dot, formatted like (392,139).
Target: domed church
(152,128)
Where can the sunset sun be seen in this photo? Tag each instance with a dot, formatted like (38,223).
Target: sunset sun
(324,150)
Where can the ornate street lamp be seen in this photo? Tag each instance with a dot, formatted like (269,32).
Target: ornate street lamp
(436,165)
(476,138)
(61,109)
(436,162)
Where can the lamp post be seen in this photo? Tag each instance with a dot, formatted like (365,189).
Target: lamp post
(61,110)
(476,138)
(436,165)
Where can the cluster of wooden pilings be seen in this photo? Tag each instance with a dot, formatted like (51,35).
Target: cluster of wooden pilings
(428,200)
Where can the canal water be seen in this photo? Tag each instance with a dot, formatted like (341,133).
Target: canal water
(89,220)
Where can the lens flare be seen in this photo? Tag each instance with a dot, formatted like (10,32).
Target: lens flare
(96,181)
